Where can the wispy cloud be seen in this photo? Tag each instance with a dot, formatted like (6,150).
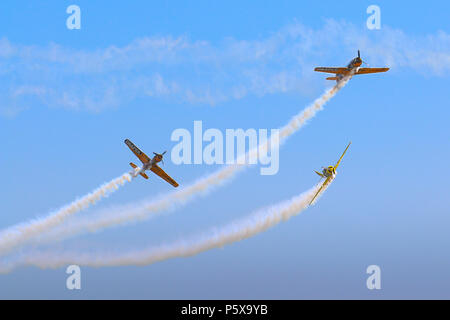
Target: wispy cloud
(201,72)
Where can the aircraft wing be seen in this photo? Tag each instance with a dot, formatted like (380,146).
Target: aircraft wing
(332,70)
(321,187)
(160,172)
(339,161)
(371,70)
(142,156)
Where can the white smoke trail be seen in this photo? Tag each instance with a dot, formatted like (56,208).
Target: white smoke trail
(123,214)
(237,231)
(143,210)
(19,234)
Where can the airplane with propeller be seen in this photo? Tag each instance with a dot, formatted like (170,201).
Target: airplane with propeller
(353,68)
(328,174)
(150,164)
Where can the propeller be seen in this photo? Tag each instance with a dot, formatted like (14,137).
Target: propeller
(160,155)
(359,56)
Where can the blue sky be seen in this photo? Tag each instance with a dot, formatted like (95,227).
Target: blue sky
(70,97)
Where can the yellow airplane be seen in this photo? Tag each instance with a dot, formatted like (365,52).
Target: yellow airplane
(352,68)
(328,173)
(150,164)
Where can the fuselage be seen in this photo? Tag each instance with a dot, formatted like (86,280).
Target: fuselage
(354,64)
(152,162)
(329,172)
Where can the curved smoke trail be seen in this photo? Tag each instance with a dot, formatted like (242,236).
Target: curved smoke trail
(145,209)
(19,234)
(217,238)
(122,214)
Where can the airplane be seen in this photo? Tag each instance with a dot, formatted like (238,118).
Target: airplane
(328,173)
(352,68)
(150,164)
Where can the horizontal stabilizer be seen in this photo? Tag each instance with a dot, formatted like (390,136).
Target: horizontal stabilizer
(144,175)
(141,173)
(332,78)
(133,165)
